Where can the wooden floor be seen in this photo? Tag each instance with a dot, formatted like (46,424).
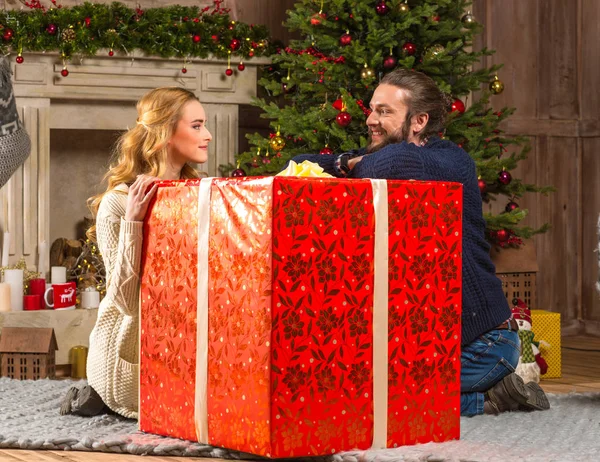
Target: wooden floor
(580,368)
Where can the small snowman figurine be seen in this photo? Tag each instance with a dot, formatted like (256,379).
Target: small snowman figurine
(531,364)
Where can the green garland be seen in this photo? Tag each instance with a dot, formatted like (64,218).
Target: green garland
(185,32)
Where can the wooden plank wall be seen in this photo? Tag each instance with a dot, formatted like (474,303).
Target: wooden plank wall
(551,73)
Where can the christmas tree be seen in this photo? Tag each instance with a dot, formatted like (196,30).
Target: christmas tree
(325,81)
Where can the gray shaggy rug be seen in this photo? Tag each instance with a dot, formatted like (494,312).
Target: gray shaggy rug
(569,431)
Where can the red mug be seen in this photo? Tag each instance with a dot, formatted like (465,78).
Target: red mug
(64,296)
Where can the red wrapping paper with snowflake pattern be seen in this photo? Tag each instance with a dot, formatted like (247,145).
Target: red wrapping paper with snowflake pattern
(290,335)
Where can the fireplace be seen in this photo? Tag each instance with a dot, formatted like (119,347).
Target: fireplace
(73,122)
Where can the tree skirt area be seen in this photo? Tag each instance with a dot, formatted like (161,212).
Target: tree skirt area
(569,431)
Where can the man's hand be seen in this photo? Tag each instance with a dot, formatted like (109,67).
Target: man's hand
(353,162)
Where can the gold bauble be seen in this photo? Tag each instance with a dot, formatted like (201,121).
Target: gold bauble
(496,86)
(404,8)
(434,51)
(367,72)
(277,143)
(68,35)
(468,19)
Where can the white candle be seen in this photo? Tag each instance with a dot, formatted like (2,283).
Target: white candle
(14,277)
(4,297)
(5,249)
(42,259)
(59,275)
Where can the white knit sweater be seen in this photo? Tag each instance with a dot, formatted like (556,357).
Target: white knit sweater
(113,358)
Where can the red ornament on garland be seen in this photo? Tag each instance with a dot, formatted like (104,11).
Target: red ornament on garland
(343,119)
(64,72)
(111,53)
(229,72)
(504,177)
(235,44)
(511,206)
(184,70)
(88,21)
(8,35)
(382,9)
(241,66)
(196,38)
(409,48)
(51,29)
(390,62)
(326,151)
(502,235)
(458,105)
(482,186)
(345,39)
(19,59)
(238,173)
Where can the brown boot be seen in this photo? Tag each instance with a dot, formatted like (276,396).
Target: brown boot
(511,394)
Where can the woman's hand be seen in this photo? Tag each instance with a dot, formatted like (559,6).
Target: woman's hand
(138,199)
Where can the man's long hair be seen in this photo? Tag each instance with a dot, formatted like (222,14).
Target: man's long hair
(424,96)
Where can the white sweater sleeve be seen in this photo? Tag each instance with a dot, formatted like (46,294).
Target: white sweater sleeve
(120,243)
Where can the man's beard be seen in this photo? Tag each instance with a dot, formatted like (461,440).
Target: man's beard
(396,137)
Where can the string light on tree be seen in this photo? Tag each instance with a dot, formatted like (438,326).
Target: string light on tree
(367,72)
(496,85)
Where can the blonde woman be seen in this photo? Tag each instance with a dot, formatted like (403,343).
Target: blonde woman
(170,133)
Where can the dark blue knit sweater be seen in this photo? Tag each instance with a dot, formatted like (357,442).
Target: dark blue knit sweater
(484,305)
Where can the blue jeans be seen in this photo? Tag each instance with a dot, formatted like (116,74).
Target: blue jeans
(484,362)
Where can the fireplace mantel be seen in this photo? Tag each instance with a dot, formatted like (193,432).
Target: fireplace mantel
(100,93)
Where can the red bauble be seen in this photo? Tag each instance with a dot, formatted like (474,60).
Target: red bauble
(338,104)
(409,48)
(88,21)
(238,173)
(482,186)
(215,38)
(19,59)
(435,18)
(317,18)
(241,66)
(64,72)
(51,29)
(390,62)
(184,70)
(111,53)
(235,44)
(326,151)
(504,177)
(382,9)
(511,206)
(458,105)
(228,72)
(345,40)
(8,34)
(343,119)
(502,235)
(196,38)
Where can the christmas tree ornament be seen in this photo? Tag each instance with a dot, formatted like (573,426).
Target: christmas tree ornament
(345,39)
(229,71)
(496,85)
(184,70)
(111,53)
(504,177)
(338,104)
(68,35)
(502,235)
(8,34)
(435,18)
(482,185)
(511,206)
(88,21)
(434,51)
(343,119)
(326,151)
(235,44)
(458,106)
(382,9)
(19,59)
(277,143)
(390,62)
(409,48)
(367,72)
(241,66)
(468,19)
(238,173)
(64,72)
(196,38)
(403,7)
(51,29)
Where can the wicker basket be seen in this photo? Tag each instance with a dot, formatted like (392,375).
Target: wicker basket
(517,269)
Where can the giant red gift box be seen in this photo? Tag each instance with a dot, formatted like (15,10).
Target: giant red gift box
(264,327)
